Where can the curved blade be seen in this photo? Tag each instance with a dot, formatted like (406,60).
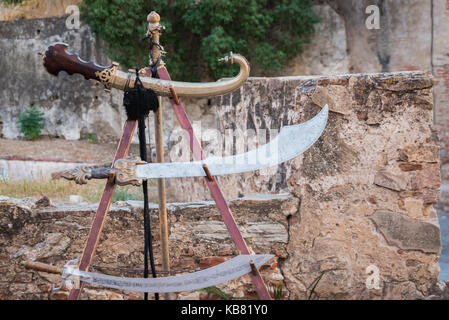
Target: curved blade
(289,143)
(228,270)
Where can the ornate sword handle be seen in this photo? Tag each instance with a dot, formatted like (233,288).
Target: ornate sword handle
(57,59)
(83,173)
(123,172)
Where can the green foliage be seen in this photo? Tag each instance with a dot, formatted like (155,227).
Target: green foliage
(315,283)
(91,137)
(215,290)
(11,2)
(276,292)
(31,123)
(268,33)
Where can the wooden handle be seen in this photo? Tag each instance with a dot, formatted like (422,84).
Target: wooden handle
(39,266)
(57,59)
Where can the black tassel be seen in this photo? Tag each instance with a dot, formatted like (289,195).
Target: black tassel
(139,101)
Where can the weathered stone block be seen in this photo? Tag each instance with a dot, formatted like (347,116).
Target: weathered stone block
(428,178)
(211,261)
(420,153)
(390,181)
(406,233)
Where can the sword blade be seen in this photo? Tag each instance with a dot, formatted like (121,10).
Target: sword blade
(288,144)
(228,270)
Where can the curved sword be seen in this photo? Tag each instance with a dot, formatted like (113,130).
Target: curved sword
(57,59)
(228,270)
(289,143)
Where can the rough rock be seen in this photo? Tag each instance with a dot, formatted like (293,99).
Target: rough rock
(407,234)
(58,234)
(54,244)
(440,291)
(390,181)
(43,202)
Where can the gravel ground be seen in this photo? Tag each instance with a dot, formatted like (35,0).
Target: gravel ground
(60,149)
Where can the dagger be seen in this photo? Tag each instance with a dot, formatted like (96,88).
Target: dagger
(288,144)
(56,59)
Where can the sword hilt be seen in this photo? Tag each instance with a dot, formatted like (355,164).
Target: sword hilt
(122,173)
(42,267)
(57,59)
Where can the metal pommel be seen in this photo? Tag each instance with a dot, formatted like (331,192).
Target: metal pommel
(153,17)
(227,58)
(80,174)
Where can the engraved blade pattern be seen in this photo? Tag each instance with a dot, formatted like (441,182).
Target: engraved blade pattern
(228,270)
(289,143)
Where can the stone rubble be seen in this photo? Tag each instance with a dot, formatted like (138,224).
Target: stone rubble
(57,233)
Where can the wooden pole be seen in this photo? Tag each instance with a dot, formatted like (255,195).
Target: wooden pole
(163,225)
(155,54)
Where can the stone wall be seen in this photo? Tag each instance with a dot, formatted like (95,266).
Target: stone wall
(360,104)
(413,35)
(440,61)
(32,231)
(368,186)
(362,198)
(72,106)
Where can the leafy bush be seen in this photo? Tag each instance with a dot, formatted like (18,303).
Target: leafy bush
(31,123)
(91,137)
(268,33)
(11,2)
